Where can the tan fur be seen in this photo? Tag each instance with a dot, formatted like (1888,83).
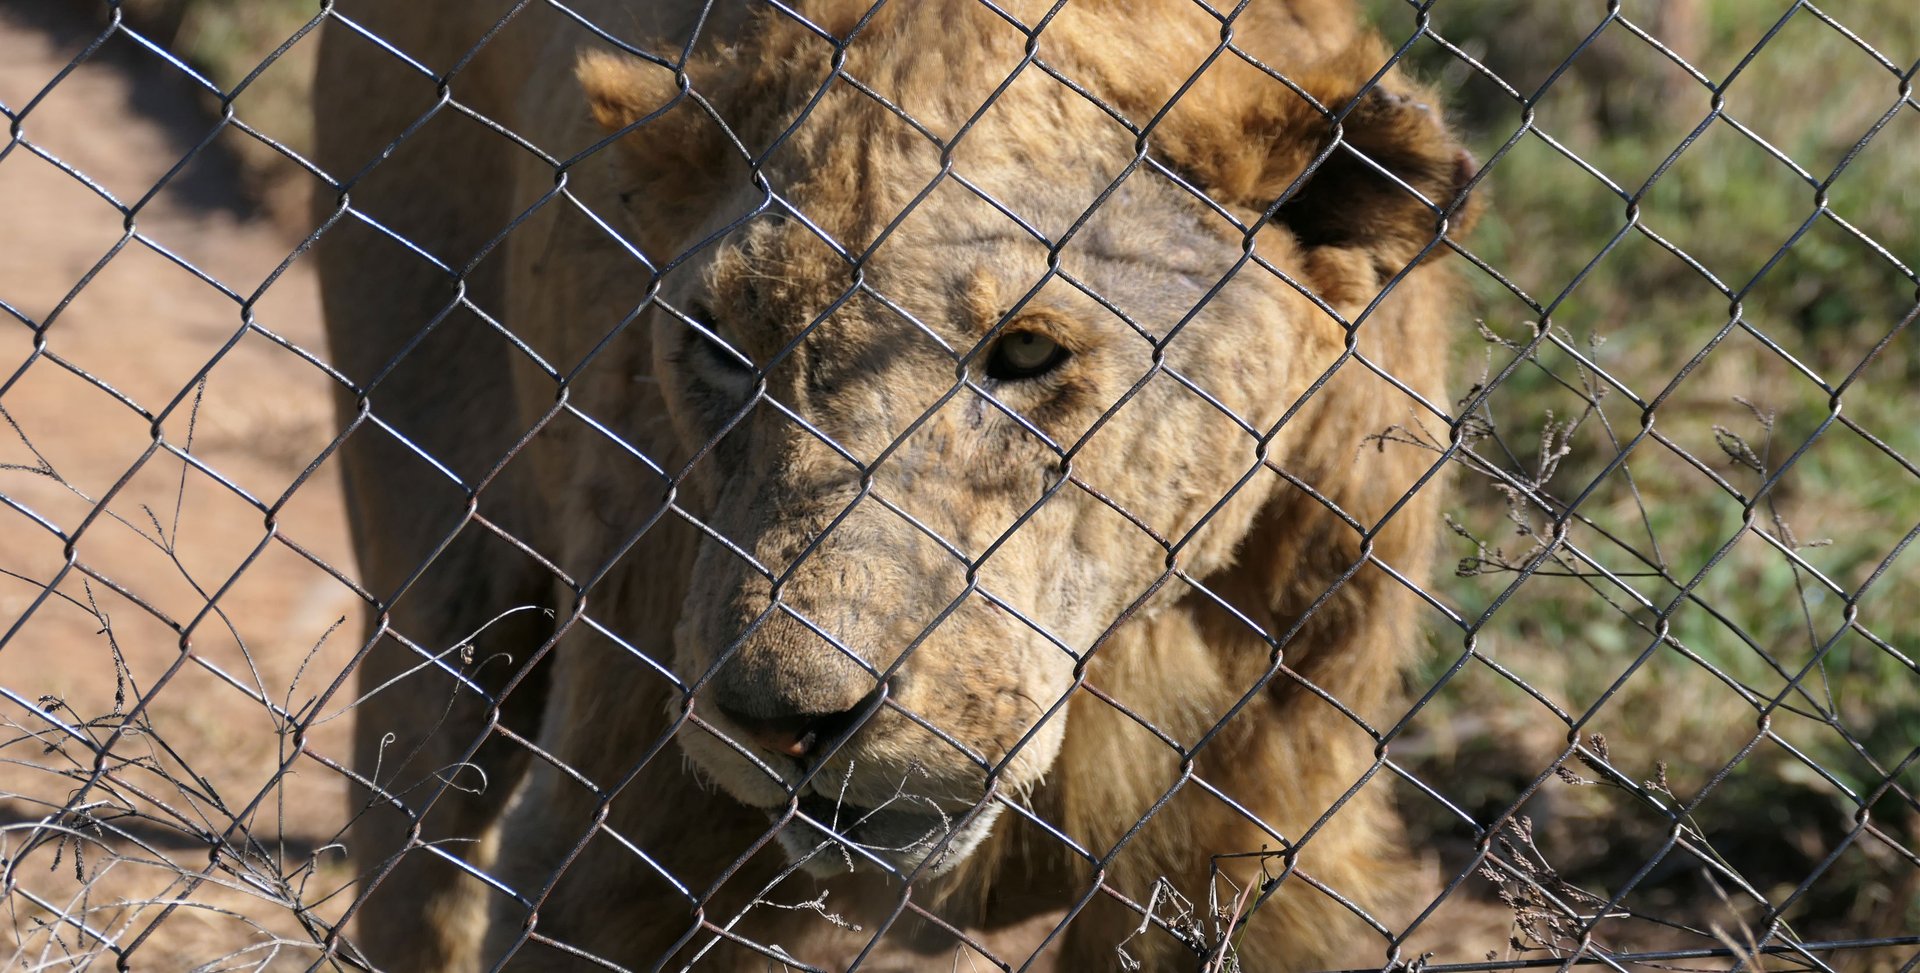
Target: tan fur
(851,551)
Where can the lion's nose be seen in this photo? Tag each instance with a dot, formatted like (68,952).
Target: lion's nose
(801,735)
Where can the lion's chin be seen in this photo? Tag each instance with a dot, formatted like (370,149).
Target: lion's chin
(833,836)
(829,838)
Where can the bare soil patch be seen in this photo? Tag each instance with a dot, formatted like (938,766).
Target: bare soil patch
(154,612)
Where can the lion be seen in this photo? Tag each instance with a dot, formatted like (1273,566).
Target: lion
(882,486)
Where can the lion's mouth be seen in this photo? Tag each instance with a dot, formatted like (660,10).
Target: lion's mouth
(830,836)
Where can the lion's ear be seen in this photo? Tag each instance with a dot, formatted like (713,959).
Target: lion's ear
(673,154)
(1371,208)
(622,90)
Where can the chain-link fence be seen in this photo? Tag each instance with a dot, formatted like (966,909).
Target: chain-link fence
(959,485)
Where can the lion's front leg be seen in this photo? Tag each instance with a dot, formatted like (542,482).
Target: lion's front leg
(1254,905)
(645,899)
(411,737)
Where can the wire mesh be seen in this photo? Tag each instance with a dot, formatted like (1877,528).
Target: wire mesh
(956,485)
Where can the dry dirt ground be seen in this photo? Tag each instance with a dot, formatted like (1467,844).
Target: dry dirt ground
(180,616)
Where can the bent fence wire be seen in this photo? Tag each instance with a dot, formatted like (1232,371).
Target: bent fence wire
(1666,712)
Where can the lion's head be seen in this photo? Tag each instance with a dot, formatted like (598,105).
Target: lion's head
(975,356)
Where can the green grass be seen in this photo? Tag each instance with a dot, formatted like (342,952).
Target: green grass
(1753,627)
(227,41)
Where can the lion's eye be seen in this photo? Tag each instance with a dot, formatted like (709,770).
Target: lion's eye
(1024,354)
(723,355)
